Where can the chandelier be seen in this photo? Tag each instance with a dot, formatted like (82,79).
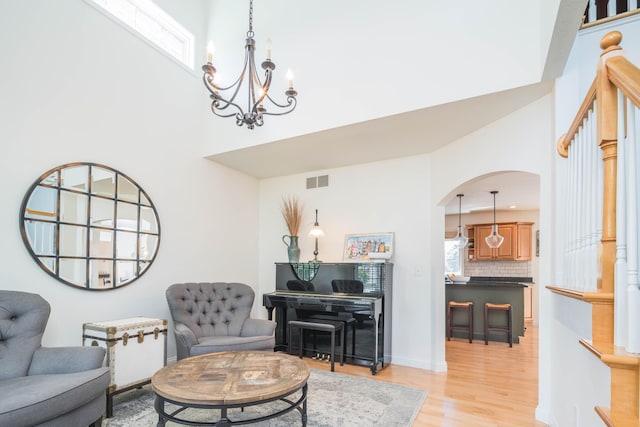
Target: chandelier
(257,91)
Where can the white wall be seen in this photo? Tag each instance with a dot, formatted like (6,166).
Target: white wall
(376,197)
(78,87)
(405,196)
(580,380)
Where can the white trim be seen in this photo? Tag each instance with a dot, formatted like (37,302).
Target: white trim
(611,25)
(149,9)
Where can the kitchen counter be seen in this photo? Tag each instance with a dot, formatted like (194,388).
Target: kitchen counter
(477,284)
(497,290)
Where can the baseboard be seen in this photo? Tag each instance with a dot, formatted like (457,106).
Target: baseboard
(542,414)
(421,364)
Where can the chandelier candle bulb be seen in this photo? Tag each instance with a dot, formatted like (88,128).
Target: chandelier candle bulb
(269,49)
(290,78)
(210,49)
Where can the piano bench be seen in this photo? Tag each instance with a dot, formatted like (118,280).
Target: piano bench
(346,321)
(331,326)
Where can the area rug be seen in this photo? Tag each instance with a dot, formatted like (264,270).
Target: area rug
(333,400)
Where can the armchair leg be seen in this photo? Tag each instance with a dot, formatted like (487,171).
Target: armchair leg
(109,405)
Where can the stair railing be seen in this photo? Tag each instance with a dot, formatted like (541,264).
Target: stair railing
(602,11)
(601,207)
(601,229)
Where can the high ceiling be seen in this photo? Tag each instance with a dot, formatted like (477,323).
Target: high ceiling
(411,131)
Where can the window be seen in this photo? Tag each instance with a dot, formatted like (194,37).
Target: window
(154,24)
(453,258)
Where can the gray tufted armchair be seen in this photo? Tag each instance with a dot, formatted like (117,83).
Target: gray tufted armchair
(45,386)
(214,317)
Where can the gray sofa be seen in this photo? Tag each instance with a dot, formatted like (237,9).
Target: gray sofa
(40,386)
(214,317)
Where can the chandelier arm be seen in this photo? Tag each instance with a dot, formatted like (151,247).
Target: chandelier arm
(290,99)
(252,81)
(211,86)
(217,99)
(214,110)
(292,103)
(215,90)
(265,88)
(237,84)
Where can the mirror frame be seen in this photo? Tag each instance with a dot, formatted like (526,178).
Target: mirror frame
(141,263)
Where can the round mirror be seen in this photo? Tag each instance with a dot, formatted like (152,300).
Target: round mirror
(90,226)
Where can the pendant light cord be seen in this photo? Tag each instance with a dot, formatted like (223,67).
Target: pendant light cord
(460,211)
(494,206)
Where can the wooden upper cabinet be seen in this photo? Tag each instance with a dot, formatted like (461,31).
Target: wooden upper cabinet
(515,247)
(525,241)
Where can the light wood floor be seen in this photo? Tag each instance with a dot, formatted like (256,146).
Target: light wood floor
(485,386)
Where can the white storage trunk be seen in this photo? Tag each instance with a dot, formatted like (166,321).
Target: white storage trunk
(136,348)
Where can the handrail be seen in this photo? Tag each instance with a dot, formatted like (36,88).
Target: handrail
(626,77)
(622,15)
(621,72)
(587,105)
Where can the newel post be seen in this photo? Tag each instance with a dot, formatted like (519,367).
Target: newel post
(607,100)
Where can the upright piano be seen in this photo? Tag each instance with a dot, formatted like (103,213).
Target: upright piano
(370,309)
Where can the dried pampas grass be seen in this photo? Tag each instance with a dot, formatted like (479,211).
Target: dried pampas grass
(292,213)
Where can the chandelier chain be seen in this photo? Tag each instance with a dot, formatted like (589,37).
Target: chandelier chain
(250,32)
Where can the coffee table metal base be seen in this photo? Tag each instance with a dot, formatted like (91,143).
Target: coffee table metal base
(300,404)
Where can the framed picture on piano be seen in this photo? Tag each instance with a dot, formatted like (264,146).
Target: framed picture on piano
(368,247)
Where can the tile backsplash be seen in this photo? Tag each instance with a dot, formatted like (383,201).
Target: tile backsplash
(498,268)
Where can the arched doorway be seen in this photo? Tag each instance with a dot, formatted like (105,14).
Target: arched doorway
(518,200)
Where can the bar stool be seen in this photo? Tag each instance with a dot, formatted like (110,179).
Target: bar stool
(326,326)
(468,327)
(502,307)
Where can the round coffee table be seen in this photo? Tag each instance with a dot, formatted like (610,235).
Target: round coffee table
(230,380)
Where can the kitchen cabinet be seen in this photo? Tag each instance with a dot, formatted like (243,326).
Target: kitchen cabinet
(528,302)
(515,247)
(525,240)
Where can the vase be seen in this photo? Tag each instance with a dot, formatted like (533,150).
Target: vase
(292,248)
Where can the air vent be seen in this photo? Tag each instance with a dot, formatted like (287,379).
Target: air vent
(312,182)
(318,181)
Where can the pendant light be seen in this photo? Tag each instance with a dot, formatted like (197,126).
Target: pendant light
(494,240)
(461,239)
